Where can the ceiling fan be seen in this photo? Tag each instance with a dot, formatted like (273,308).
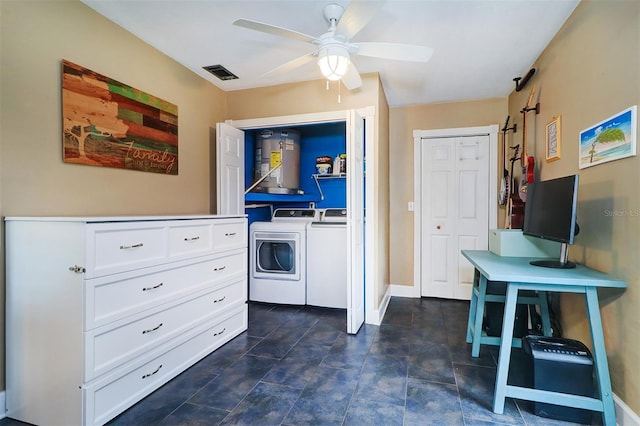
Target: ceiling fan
(334,49)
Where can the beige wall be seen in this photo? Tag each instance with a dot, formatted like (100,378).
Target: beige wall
(300,98)
(35,37)
(382,185)
(402,123)
(590,72)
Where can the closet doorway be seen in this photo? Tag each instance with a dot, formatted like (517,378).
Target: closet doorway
(360,134)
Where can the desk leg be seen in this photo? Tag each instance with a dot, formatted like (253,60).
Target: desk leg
(472,306)
(600,357)
(477,325)
(544,313)
(505,348)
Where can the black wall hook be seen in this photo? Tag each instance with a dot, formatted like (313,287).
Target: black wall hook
(535,108)
(506,127)
(520,84)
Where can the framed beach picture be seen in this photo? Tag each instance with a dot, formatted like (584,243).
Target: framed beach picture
(609,140)
(553,139)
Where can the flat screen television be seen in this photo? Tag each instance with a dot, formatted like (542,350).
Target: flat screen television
(550,213)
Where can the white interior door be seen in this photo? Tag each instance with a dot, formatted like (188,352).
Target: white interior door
(230,169)
(355,222)
(455,212)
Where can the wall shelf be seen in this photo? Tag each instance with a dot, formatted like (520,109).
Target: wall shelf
(321,177)
(316,177)
(284,198)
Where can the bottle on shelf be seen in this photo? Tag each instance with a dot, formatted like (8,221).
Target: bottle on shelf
(336,166)
(343,163)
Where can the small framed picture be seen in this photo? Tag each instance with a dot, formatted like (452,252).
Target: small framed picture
(553,139)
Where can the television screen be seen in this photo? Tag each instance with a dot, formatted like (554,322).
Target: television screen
(550,210)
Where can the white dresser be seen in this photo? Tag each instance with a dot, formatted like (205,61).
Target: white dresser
(102,311)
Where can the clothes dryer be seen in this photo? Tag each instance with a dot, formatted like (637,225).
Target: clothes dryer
(278,257)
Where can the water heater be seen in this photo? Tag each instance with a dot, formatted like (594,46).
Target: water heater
(278,147)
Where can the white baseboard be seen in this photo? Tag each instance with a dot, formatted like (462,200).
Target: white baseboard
(624,414)
(404,290)
(375,316)
(3,405)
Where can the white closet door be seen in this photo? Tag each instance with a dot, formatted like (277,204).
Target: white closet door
(230,169)
(355,222)
(455,194)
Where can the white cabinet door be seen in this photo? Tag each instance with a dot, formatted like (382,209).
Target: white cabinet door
(355,222)
(229,169)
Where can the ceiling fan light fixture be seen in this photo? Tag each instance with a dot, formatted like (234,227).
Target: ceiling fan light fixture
(333,61)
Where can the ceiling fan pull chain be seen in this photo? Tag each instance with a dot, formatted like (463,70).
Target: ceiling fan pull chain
(327,85)
(339,92)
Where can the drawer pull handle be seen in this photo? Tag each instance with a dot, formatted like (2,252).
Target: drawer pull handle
(77,269)
(220,332)
(222,268)
(151,374)
(229,234)
(153,288)
(220,300)
(152,329)
(192,238)
(131,246)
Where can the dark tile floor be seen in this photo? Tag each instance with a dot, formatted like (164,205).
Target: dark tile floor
(297,366)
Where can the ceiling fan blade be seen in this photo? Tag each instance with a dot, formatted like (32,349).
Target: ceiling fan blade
(288,66)
(357,16)
(272,29)
(351,79)
(395,51)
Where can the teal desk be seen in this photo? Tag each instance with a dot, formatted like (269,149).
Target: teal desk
(520,275)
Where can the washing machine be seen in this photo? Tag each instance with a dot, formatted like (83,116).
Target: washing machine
(278,257)
(327,260)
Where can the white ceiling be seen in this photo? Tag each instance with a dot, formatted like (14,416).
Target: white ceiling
(480,45)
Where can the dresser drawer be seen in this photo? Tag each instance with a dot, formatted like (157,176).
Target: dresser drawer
(107,347)
(229,265)
(118,296)
(229,234)
(109,396)
(112,249)
(228,294)
(190,239)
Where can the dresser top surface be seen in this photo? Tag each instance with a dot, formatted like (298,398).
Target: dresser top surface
(100,219)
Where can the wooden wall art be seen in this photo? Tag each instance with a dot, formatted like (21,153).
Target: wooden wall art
(109,124)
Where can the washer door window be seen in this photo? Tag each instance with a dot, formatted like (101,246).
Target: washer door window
(277,257)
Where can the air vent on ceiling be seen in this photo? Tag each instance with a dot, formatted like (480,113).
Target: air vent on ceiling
(221,72)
